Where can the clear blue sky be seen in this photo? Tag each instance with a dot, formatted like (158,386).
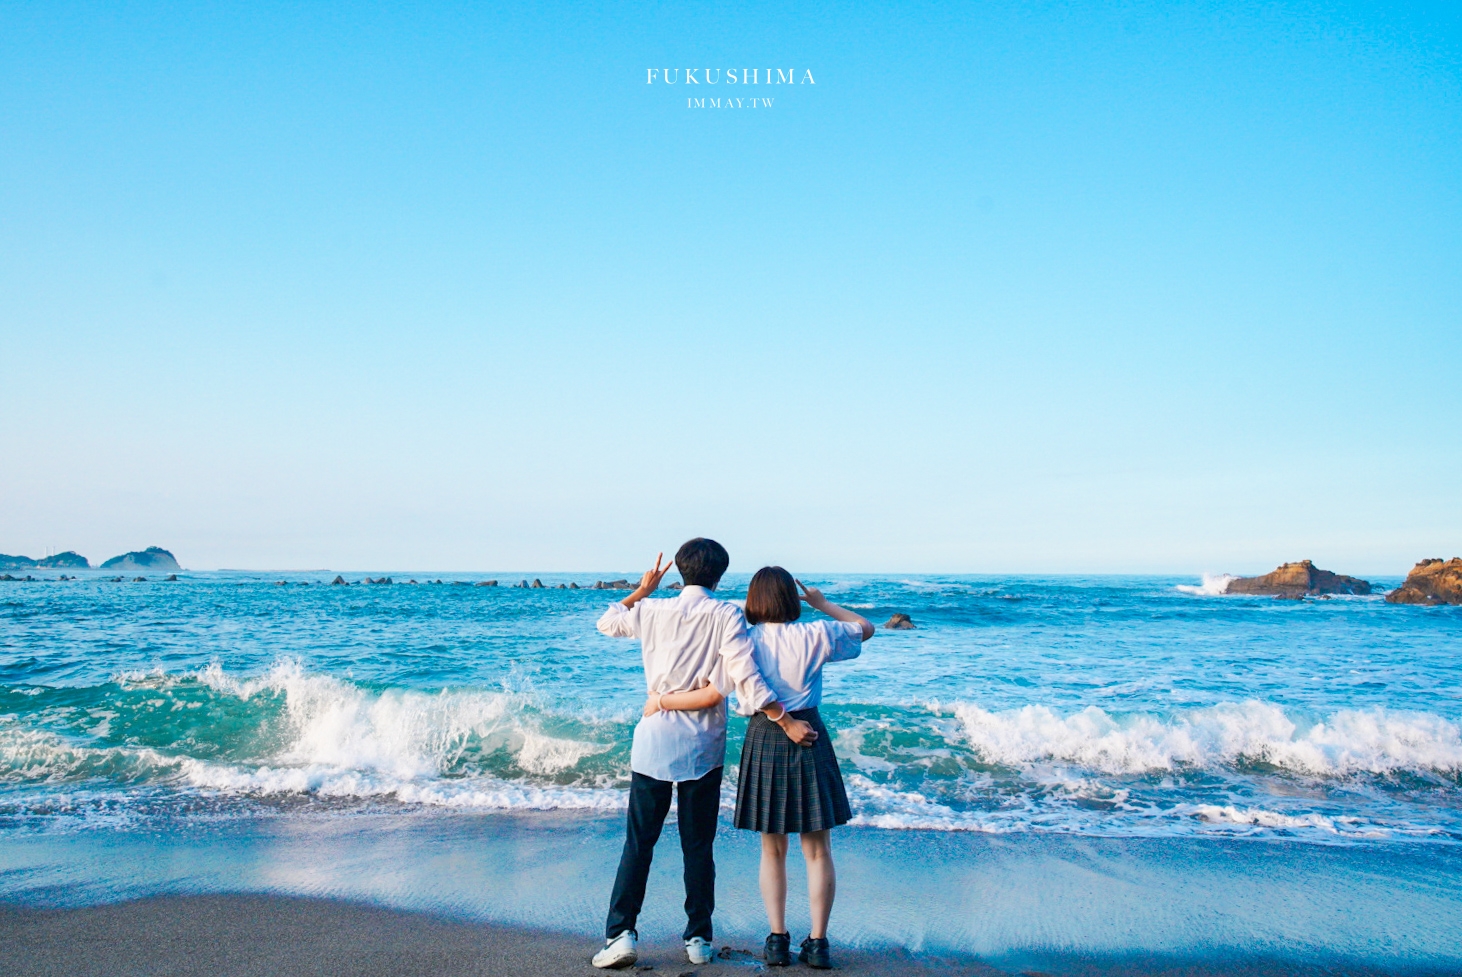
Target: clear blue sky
(1134,287)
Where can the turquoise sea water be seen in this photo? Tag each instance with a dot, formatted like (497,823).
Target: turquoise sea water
(1027,712)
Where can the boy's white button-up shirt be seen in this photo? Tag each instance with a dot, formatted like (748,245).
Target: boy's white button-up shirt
(687,643)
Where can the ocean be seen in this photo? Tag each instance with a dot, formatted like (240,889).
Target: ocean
(1137,733)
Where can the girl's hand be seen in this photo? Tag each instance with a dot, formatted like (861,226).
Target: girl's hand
(652,703)
(812,596)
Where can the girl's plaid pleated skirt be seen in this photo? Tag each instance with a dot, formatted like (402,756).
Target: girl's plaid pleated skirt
(784,788)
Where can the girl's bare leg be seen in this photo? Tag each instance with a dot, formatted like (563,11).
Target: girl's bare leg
(822,878)
(773,878)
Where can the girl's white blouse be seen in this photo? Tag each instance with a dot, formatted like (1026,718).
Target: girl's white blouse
(790,656)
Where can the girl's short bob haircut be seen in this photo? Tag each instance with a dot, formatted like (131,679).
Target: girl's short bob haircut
(772,597)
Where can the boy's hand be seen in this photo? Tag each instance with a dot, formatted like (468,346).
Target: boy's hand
(649,583)
(797,731)
(812,596)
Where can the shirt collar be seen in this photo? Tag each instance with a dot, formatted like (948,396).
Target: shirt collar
(696,591)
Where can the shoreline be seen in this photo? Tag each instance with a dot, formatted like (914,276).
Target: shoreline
(250,935)
(927,900)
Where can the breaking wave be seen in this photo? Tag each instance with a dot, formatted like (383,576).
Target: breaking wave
(292,735)
(1246,734)
(1213,584)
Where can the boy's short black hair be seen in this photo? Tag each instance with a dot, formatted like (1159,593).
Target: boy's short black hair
(701,562)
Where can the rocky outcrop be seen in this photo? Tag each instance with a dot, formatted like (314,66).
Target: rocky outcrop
(536,584)
(614,585)
(152,558)
(486,583)
(1431,582)
(899,622)
(339,581)
(70,560)
(1302,579)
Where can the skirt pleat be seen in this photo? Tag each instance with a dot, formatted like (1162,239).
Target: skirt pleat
(784,788)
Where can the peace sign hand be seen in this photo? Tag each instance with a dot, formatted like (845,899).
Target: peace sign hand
(650,582)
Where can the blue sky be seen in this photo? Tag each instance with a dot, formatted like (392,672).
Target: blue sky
(1166,287)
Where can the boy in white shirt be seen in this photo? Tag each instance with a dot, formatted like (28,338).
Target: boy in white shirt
(691,643)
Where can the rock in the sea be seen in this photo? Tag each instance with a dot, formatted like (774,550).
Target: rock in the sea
(171,578)
(899,622)
(7,577)
(573,586)
(487,583)
(1302,579)
(139,580)
(152,558)
(677,585)
(1431,582)
(537,584)
(339,581)
(614,585)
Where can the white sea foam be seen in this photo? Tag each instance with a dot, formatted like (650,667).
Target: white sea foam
(1213,584)
(401,735)
(320,780)
(1350,741)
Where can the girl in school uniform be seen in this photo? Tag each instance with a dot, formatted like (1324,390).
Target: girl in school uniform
(784,788)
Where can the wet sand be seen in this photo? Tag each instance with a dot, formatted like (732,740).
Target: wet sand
(249,935)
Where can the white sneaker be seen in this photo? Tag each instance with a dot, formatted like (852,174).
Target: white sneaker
(698,951)
(618,952)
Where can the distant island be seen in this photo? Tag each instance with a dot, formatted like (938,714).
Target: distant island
(152,558)
(70,560)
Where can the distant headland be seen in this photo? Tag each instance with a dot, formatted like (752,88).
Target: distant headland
(70,560)
(152,558)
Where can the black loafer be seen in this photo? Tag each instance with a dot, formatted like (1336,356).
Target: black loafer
(815,953)
(779,950)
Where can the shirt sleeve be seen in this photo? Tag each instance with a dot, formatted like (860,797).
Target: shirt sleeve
(620,621)
(739,667)
(845,639)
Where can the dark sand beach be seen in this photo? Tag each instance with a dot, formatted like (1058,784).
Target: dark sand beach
(256,935)
(249,935)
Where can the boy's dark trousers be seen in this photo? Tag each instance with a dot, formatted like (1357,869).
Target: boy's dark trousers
(649,802)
